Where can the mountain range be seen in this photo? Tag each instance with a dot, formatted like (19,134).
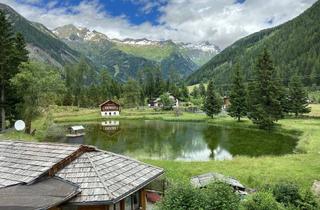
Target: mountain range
(294,47)
(122,58)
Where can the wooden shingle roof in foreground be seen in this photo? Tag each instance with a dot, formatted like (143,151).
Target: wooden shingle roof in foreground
(23,162)
(103,177)
(107,177)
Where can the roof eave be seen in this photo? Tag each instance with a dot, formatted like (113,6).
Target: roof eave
(116,200)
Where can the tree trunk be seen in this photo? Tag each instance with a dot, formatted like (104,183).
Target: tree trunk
(3,111)
(238,118)
(28,127)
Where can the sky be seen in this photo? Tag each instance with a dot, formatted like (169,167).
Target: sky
(220,22)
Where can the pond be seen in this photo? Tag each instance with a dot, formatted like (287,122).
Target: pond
(148,139)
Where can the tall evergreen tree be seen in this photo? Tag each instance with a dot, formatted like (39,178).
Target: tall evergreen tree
(20,54)
(195,92)
(265,105)
(238,107)
(298,97)
(202,90)
(12,53)
(213,103)
(184,93)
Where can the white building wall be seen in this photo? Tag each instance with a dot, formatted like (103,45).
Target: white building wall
(110,113)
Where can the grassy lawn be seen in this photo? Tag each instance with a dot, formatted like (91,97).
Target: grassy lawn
(302,167)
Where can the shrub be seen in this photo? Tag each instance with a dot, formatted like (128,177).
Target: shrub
(216,196)
(309,202)
(287,193)
(262,201)
(181,198)
(219,196)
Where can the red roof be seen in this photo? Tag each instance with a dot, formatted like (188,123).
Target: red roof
(108,102)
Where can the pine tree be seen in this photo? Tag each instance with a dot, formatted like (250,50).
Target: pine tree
(202,90)
(12,53)
(265,105)
(195,92)
(238,107)
(298,97)
(213,102)
(184,92)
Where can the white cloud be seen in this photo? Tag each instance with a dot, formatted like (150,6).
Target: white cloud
(219,21)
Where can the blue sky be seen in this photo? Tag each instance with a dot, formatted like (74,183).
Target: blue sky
(135,11)
(220,22)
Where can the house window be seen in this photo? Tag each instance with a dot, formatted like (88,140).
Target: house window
(136,201)
(116,206)
(128,203)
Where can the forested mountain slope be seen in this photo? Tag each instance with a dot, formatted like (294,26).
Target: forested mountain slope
(42,44)
(294,47)
(134,55)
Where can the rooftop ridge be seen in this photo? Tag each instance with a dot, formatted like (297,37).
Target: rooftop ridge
(74,155)
(100,177)
(128,158)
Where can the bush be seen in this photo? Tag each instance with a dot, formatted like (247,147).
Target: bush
(287,193)
(262,201)
(216,196)
(309,202)
(181,198)
(220,196)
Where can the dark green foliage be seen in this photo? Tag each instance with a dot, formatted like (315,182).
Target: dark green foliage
(286,193)
(184,93)
(39,86)
(131,93)
(309,202)
(12,54)
(166,101)
(294,46)
(213,103)
(262,201)
(264,94)
(178,64)
(298,97)
(290,196)
(195,92)
(216,196)
(202,90)
(182,197)
(220,196)
(238,95)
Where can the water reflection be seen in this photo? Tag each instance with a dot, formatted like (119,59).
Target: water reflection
(181,141)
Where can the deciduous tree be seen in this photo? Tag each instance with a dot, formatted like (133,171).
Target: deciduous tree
(38,86)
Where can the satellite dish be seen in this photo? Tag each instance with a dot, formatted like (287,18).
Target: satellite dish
(19,125)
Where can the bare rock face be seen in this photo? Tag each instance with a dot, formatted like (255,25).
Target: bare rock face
(316,188)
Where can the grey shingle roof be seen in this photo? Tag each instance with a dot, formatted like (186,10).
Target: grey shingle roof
(23,162)
(44,194)
(107,177)
(205,179)
(103,177)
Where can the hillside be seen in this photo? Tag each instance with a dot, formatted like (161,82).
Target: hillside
(136,54)
(294,47)
(42,44)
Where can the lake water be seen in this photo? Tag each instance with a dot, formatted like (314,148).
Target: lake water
(177,140)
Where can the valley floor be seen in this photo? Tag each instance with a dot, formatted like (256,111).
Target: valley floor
(302,167)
